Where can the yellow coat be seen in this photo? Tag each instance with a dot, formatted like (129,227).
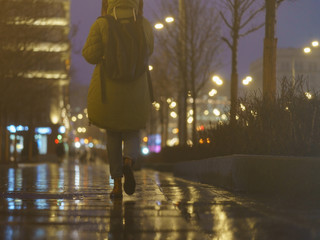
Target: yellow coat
(127,103)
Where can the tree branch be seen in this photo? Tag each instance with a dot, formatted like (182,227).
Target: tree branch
(251,30)
(227,42)
(251,17)
(225,20)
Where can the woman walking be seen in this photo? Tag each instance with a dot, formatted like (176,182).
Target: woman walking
(121,107)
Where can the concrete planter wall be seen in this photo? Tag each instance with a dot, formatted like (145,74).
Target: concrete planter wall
(256,174)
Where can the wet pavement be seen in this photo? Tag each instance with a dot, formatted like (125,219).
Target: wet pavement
(71,201)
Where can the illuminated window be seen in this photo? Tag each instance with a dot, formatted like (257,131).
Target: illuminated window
(40,21)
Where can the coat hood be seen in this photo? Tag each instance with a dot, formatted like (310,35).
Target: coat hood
(122,4)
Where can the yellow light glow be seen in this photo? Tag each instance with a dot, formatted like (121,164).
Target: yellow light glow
(46,47)
(40,21)
(190,120)
(175,130)
(158,26)
(254,113)
(216,79)
(315,44)
(213,92)
(157,106)
(216,112)
(169,19)
(243,108)
(173,142)
(74,118)
(191,112)
(173,115)
(145,139)
(308,95)
(54,119)
(173,104)
(247,80)
(150,67)
(206,112)
(44,74)
(80,116)
(307,50)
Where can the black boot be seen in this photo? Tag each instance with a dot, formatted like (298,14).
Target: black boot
(129,181)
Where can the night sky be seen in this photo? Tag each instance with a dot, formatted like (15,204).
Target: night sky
(298,25)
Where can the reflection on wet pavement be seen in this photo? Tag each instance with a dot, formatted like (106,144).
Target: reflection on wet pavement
(71,201)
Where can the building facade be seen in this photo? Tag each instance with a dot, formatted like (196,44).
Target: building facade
(292,63)
(34,72)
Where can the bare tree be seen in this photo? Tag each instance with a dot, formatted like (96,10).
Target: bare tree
(238,17)
(165,86)
(191,53)
(203,44)
(270,49)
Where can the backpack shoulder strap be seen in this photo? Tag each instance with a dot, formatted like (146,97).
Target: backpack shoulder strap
(111,22)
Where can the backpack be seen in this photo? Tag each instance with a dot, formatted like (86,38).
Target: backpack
(126,54)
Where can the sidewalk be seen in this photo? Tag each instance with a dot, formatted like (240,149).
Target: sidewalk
(71,201)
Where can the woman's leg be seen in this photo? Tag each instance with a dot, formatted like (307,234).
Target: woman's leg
(130,154)
(131,145)
(114,149)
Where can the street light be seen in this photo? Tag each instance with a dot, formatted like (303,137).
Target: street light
(172,105)
(307,50)
(173,114)
(158,26)
(169,19)
(217,80)
(156,105)
(213,92)
(216,112)
(247,80)
(315,44)
(190,120)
